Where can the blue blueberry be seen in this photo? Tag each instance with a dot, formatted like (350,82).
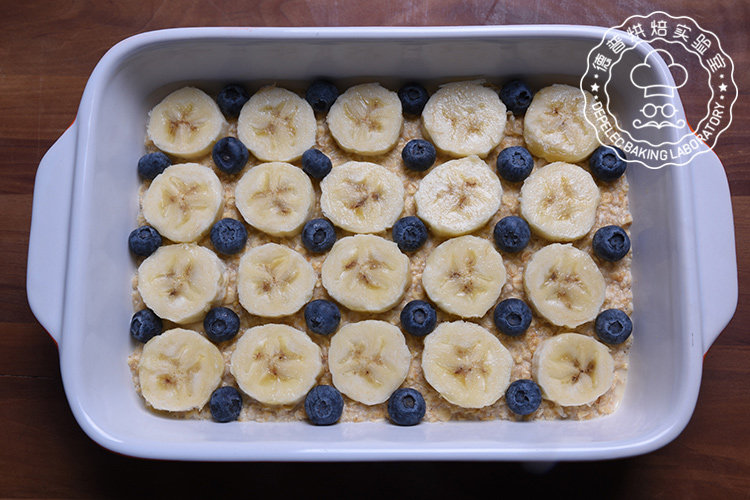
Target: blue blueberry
(514,164)
(409,233)
(512,317)
(316,164)
(523,397)
(321,95)
(418,155)
(318,235)
(511,234)
(152,164)
(613,326)
(221,324)
(322,316)
(228,236)
(413,98)
(225,404)
(145,325)
(144,241)
(606,165)
(611,243)
(406,406)
(324,405)
(230,155)
(516,95)
(231,99)
(418,318)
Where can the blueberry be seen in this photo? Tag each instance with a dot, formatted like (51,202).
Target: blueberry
(413,98)
(613,326)
(145,325)
(321,95)
(225,404)
(406,406)
(512,317)
(511,234)
(144,241)
(514,164)
(152,164)
(611,243)
(230,155)
(231,99)
(409,233)
(418,155)
(318,235)
(221,324)
(523,397)
(316,164)
(228,236)
(516,95)
(322,316)
(606,165)
(418,318)
(324,405)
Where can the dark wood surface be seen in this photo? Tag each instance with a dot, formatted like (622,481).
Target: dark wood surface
(47,51)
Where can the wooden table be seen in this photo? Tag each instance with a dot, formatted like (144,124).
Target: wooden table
(47,51)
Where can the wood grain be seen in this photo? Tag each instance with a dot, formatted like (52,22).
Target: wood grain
(47,51)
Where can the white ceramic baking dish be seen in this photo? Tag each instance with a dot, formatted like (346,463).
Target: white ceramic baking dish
(85,204)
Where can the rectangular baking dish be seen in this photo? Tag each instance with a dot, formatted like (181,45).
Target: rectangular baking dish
(85,204)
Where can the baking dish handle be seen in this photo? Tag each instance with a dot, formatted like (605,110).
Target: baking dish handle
(48,238)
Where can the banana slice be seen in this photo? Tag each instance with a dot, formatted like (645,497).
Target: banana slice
(277,125)
(368,360)
(276,364)
(179,370)
(573,369)
(555,125)
(465,118)
(564,285)
(366,273)
(276,198)
(183,201)
(186,123)
(181,282)
(366,119)
(458,196)
(362,197)
(559,201)
(466,364)
(274,280)
(464,276)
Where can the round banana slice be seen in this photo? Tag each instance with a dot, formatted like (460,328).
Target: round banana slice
(564,285)
(458,196)
(179,370)
(181,282)
(183,201)
(559,201)
(366,119)
(274,280)
(277,125)
(466,364)
(573,369)
(362,197)
(276,364)
(368,360)
(366,273)
(186,123)
(464,276)
(276,198)
(555,125)
(465,118)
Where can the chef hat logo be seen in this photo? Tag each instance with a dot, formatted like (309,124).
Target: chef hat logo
(642,73)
